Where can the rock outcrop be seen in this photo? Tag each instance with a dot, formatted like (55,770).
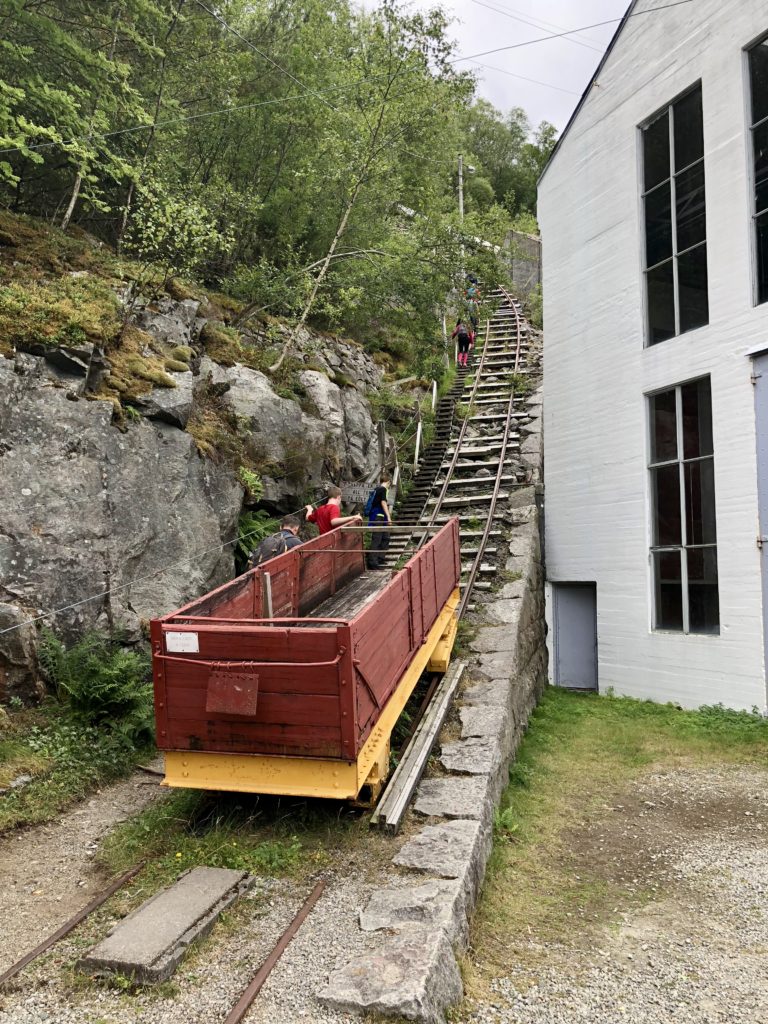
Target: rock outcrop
(118,526)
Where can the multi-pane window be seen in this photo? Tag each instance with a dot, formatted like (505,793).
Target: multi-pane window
(758,80)
(684,541)
(675,220)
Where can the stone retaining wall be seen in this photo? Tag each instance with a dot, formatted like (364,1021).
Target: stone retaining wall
(421,912)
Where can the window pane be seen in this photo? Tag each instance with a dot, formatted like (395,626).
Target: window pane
(691,214)
(663,427)
(697,419)
(692,285)
(661,303)
(760,143)
(689,130)
(667,527)
(668,589)
(758,74)
(658,226)
(656,151)
(703,603)
(700,502)
(762,258)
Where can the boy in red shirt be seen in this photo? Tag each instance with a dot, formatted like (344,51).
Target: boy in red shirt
(327,517)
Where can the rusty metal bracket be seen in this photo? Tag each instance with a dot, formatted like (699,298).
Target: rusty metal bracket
(233,689)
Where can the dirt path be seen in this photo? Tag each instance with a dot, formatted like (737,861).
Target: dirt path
(47,873)
(684,937)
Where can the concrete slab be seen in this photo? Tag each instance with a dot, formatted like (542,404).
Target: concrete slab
(149,944)
(453,797)
(414,976)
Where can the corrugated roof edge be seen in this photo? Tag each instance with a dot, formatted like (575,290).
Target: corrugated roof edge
(585,94)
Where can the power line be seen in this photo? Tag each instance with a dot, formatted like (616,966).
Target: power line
(533,81)
(568,32)
(318,93)
(261,53)
(516,16)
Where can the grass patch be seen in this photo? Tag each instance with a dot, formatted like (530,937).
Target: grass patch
(64,311)
(262,835)
(579,753)
(66,758)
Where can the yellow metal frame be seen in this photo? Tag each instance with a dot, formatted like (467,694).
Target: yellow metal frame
(316,776)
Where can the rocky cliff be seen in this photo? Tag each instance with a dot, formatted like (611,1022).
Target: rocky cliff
(121,502)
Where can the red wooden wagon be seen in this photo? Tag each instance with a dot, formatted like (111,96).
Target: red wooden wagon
(300,698)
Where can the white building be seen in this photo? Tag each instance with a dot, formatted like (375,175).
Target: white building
(655,250)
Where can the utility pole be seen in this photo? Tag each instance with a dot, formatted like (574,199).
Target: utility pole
(461,188)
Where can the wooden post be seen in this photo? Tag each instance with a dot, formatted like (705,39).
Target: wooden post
(267,596)
(418,438)
(382,435)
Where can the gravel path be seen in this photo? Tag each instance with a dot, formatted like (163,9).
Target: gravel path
(694,955)
(209,982)
(46,872)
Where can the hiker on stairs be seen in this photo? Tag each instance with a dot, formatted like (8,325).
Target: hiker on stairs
(379,515)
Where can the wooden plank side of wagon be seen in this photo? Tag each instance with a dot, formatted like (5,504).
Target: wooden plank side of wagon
(389,631)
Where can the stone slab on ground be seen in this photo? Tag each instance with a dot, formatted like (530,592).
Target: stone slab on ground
(149,944)
(473,756)
(486,721)
(452,797)
(454,849)
(414,975)
(434,904)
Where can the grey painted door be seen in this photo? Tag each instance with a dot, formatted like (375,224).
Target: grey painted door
(575,641)
(760,370)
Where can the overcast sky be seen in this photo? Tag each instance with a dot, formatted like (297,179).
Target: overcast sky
(564,66)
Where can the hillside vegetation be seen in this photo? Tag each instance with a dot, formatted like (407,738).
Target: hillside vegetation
(300,158)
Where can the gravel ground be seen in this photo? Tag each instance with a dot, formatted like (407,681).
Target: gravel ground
(47,873)
(209,982)
(696,954)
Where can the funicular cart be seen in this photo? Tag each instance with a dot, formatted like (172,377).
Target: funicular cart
(289,679)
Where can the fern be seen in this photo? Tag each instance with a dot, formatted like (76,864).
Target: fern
(253,527)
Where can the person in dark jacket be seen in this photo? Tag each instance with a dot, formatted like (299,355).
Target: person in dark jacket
(465,338)
(277,543)
(379,516)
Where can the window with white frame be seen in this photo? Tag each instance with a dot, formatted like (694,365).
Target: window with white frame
(758,82)
(676,285)
(684,537)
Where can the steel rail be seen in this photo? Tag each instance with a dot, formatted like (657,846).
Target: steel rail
(513,306)
(455,458)
(497,486)
(71,924)
(241,1007)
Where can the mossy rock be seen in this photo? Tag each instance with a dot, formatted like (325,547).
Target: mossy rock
(179,291)
(220,344)
(182,353)
(176,366)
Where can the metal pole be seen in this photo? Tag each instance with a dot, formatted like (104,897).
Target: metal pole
(434,394)
(267,596)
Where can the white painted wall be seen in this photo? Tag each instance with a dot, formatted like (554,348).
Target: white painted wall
(596,370)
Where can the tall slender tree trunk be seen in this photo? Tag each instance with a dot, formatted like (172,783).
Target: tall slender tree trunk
(72,201)
(320,277)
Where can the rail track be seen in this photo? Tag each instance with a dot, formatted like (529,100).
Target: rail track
(474,471)
(472,468)
(473,465)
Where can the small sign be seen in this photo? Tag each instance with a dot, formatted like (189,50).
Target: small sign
(354,494)
(182,643)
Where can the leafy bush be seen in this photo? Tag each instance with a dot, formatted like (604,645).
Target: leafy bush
(103,683)
(253,527)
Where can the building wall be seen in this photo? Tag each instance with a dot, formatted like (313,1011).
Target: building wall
(597,370)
